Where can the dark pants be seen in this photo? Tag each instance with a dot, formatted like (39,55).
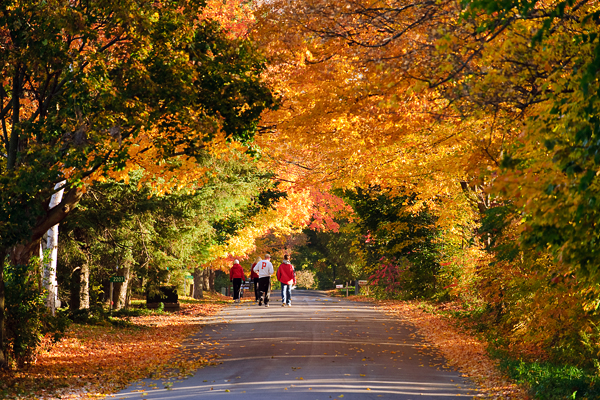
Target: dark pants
(237,285)
(264,289)
(256,296)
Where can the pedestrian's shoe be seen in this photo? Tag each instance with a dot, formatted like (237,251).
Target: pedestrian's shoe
(282,304)
(266,305)
(259,304)
(289,305)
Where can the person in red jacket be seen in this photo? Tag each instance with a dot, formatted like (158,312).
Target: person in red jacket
(287,276)
(236,275)
(254,278)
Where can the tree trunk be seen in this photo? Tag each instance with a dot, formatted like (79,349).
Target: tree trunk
(206,278)
(198,284)
(80,288)
(211,279)
(120,290)
(3,359)
(84,287)
(74,299)
(333,268)
(49,280)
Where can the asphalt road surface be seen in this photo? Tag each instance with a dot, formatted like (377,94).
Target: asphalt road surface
(321,348)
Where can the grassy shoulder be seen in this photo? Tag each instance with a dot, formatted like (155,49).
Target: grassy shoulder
(101,357)
(550,381)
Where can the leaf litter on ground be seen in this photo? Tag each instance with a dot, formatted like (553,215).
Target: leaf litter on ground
(462,350)
(97,360)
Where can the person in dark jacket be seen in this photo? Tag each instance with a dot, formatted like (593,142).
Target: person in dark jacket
(254,278)
(236,275)
(287,276)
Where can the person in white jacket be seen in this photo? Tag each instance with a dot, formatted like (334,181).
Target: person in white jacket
(264,269)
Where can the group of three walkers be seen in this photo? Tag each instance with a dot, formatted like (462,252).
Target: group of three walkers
(260,273)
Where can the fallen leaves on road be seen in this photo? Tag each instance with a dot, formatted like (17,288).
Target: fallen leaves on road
(462,350)
(97,360)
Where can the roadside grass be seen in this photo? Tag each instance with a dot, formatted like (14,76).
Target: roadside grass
(101,356)
(548,381)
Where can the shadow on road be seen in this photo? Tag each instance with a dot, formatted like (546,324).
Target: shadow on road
(320,348)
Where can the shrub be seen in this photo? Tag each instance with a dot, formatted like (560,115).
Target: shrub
(306,279)
(27,317)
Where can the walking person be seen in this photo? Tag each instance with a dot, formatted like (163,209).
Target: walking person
(264,269)
(236,275)
(254,278)
(287,276)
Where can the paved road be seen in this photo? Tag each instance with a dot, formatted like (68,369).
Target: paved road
(321,348)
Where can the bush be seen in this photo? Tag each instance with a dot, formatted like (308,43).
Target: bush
(28,319)
(163,294)
(221,280)
(306,279)
(548,381)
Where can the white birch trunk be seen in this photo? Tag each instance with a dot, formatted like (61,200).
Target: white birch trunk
(49,274)
(84,287)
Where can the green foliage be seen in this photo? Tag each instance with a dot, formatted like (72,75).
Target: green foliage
(532,299)
(385,227)
(275,285)
(391,230)
(82,78)
(221,280)
(27,317)
(81,82)
(158,238)
(327,255)
(553,382)
(562,175)
(227,227)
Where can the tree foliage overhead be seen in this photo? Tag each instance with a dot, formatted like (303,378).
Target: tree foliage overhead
(93,88)
(157,239)
(486,110)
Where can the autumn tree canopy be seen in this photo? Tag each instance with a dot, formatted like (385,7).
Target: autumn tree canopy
(456,140)
(485,110)
(94,89)
(86,86)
